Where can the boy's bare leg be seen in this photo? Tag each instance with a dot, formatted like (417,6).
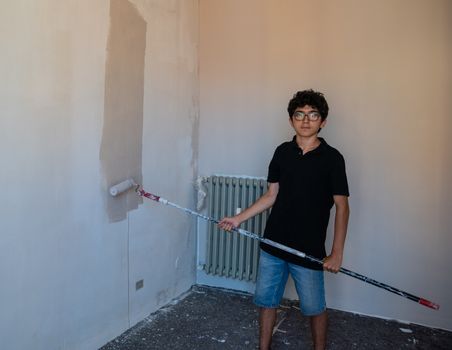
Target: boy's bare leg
(319,325)
(267,318)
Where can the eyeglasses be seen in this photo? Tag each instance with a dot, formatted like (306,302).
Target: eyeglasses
(312,116)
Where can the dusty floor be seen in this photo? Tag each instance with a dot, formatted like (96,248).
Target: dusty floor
(211,318)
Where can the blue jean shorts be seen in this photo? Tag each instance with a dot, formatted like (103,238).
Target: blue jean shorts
(271,282)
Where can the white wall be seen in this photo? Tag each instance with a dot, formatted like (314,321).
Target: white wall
(385,69)
(67,274)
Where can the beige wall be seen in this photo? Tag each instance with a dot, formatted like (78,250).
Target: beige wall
(67,274)
(385,69)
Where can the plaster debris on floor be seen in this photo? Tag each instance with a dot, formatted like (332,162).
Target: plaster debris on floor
(209,318)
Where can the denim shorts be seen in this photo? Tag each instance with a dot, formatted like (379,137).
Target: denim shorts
(271,282)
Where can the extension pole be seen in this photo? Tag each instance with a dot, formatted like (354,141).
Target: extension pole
(143,193)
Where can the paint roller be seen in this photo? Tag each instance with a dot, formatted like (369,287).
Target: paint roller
(129,183)
(122,187)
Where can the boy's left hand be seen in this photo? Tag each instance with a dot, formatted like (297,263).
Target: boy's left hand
(332,263)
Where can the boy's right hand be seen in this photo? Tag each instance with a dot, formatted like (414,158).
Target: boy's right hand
(229,223)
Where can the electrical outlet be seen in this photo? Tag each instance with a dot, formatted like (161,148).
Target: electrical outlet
(139,284)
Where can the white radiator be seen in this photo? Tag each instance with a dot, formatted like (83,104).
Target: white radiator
(228,253)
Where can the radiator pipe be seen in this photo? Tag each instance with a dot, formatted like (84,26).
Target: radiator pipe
(126,185)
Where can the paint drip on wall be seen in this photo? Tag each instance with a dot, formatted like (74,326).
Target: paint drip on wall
(121,146)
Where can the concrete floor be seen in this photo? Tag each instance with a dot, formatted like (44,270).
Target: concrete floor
(211,318)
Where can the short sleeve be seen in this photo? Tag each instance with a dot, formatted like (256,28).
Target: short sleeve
(339,183)
(274,170)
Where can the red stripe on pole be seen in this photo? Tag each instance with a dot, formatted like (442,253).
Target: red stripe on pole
(148,195)
(429,304)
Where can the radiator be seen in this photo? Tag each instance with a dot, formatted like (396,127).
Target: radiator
(230,254)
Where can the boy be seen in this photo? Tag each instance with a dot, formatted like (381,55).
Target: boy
(306,178)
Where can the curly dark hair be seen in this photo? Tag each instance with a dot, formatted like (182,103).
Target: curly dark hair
(311,98)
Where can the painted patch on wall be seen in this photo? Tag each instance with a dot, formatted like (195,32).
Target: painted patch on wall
(121,146)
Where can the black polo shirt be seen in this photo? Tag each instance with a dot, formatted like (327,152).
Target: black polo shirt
(300,214)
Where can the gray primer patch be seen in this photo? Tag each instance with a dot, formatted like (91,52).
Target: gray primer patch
(121,146)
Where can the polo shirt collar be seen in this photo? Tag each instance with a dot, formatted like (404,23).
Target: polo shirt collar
(320,148)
